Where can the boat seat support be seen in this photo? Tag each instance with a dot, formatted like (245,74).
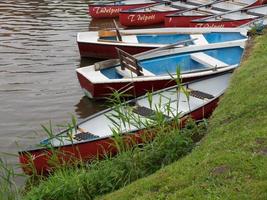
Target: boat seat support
(146,112)
(127,61)
(85,136)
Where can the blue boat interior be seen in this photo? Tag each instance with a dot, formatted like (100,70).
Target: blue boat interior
(214,37)
(168,64)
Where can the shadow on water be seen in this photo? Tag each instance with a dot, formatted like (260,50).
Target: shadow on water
(87,107)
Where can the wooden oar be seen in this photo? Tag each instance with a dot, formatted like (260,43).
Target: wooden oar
(117,30)
(111,33)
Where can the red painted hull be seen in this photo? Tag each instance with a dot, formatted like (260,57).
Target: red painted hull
(181,21)
(131,19)
(258,3)
(111,11)
(39,160)
(220,24)
(100,91)
(107,51)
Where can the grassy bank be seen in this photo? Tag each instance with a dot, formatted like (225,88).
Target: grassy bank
(86,181)
(231,161)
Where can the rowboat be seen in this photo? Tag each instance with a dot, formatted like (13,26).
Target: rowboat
(154,14)
(112,9)
(135,75)
(103,44)
(183,18)
(94,136)
(233,18)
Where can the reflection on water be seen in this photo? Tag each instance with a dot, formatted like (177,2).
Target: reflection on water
(97,24)
(88,61)
(38,57)
(87,107)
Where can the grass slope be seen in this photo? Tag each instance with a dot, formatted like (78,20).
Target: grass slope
(231,161)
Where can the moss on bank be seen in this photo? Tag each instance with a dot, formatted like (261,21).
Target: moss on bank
(231,161)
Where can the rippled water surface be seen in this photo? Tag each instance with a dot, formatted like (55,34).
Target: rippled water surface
(38,57)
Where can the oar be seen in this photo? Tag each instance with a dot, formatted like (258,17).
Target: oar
(103,2)
(201,6)
(164,47)
(112,62)
(250,24)
(117,30)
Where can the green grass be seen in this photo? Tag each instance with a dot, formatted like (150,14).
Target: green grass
(231,161)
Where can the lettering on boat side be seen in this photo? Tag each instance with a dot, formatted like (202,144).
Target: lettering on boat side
(203,25)
(143,18)
(100,10)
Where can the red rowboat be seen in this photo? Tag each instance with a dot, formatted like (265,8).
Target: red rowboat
(183,18)
(154,14)
(111,10)
(233,18)
(151,71)
(93,138)
(103,44)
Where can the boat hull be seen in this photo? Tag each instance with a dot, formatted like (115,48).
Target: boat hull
(138,19)
(181,21)
(39,160)
(220,24)
(111,11)
(108,50)
(137,88)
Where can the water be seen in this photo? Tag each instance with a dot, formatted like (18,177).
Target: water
(38,57)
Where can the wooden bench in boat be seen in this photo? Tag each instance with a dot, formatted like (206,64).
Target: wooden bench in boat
(130,39)
(199,39)
(207,60)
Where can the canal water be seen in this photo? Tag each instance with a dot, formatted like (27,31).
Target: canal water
(38,58)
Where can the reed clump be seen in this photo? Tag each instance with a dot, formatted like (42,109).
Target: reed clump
(8,187)
(100,177)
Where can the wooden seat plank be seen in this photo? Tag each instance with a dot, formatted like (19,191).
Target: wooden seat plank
(207,60)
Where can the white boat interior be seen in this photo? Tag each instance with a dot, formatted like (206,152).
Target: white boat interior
(249,13)
(125,2)
(216,8)
(200,12)
(142,112)
(233,5)
(171,6)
